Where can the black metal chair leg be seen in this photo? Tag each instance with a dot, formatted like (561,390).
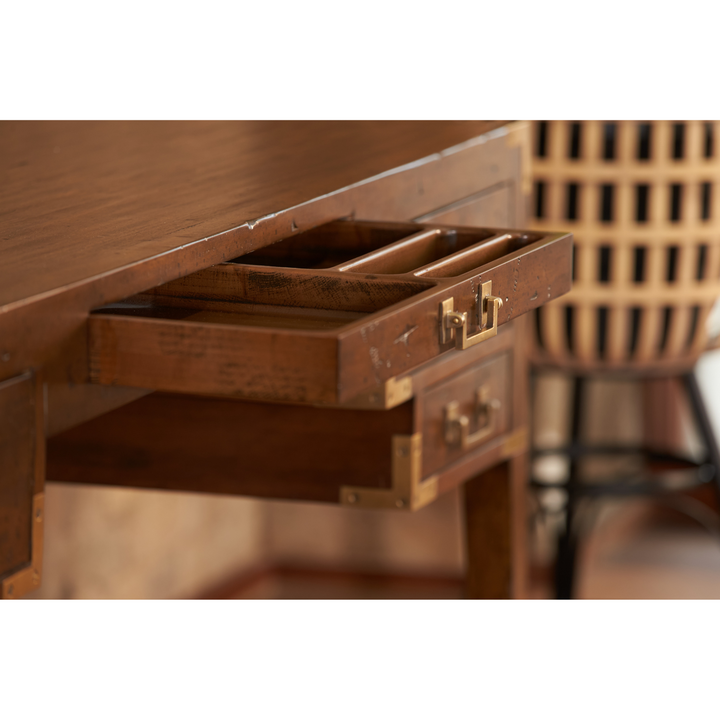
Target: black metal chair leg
(565,565)
(568,540)
(577,521)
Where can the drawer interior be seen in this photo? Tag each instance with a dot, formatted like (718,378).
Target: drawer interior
(365,247)
(251,297)
(472,255)
(240,313)
(328,245)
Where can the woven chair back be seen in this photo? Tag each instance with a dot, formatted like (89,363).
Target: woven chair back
(643,202)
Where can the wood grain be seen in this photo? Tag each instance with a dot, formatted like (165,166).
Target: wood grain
(132,190)
(213,358)
(488,527)
(127,207)
(93,212)
(290,287)
(214,445)
(328,245)
(494,207)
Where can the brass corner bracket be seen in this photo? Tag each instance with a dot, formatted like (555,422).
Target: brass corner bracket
(390,394)
(408,492)
(28,578)
(516,443)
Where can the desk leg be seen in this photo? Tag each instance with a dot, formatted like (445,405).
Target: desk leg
(22,478)
(496,532)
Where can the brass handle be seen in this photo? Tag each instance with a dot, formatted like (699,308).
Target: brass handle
(452,322)
(457,426)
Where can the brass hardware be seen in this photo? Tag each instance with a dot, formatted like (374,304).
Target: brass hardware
(409,491)
(516,443)
(455,324)
(446,332)
(457,426)
(390,394)
(28,579)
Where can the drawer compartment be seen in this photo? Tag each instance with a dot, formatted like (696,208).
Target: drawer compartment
(329,245)
(466,411)
(400,294)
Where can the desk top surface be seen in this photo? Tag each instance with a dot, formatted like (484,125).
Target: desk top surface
(82,199)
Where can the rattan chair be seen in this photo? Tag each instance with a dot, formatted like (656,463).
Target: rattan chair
(642,201)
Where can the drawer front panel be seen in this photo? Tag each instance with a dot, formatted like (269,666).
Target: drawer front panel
(210,359)
(463,413)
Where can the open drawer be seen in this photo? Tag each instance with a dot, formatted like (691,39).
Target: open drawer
(328,314)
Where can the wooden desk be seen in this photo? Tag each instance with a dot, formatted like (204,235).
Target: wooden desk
(92,213)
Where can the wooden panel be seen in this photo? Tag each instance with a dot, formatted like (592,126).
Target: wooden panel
(452,363)
(328,245)
(70,405)
(494,207)
(205,358)
(214,445)
(319,289)
(139,189)
(494,376)
(21,469)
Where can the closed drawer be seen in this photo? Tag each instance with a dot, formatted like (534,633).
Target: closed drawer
(329,314)
(466,411)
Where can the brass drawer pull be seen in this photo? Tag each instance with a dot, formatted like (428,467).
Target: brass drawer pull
(457,426)
(456,323)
